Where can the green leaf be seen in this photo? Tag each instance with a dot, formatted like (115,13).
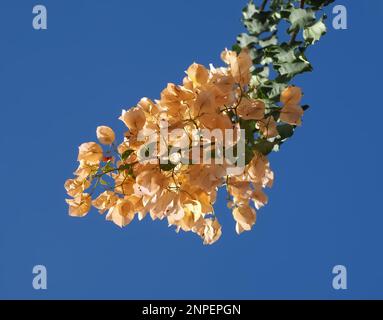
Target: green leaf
(249,154)
(249,127)
(300,18)
(237,48)
(107,167)
(103,182)
(292,69)
(289,69)
(126,154)
(271,90)
(259,22)
(313,33)
(167,166)
(249,10)
(318,4)
(244,40)
(276,4)
(269,41)
(285,131)
(125,167)
(264,146)
(285,56)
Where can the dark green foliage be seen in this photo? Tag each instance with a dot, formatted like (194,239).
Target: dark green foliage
(279,32)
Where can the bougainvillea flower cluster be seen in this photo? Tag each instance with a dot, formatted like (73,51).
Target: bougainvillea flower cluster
(175,175)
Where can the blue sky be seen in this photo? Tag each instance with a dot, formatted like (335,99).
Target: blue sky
(98,57)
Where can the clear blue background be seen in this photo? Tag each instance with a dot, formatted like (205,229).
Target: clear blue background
(96,57)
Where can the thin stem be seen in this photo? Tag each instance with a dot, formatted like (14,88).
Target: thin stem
(113,169)
(99,175)
(263,5)
(94,186)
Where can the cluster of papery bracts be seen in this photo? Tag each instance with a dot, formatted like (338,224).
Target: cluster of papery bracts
(136,181)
